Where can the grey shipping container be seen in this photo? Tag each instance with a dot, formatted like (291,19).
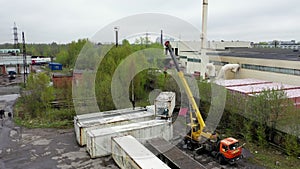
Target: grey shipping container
(124,116)
(128,152)
(99,140)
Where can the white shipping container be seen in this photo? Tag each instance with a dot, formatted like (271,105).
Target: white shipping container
(98,142)
(165,100)
(82,126)
(89,116)
(128,152)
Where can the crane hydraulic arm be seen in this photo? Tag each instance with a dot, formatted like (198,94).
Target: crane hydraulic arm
(196,127)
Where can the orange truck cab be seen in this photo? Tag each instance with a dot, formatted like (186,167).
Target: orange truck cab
(229,150)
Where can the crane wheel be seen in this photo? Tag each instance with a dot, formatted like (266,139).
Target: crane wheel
(189,145)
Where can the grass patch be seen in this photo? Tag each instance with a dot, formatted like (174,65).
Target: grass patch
(272,159)
(62,119)
(42,123)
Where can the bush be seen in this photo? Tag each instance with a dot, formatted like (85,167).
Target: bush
(292,145)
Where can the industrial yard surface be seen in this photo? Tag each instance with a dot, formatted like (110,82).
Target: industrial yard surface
(56,148)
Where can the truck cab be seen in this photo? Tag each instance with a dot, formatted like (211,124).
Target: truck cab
(230,150)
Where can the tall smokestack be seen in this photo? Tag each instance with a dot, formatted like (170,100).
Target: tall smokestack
(204,24)
(204,58)
(16,43)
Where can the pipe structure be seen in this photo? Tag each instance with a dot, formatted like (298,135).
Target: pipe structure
(232,67)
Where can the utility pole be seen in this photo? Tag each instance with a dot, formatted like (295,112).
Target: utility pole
(24,59)
(146,39)
(116,28)
(161,37)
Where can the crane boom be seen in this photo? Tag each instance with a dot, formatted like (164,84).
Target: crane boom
(197,128)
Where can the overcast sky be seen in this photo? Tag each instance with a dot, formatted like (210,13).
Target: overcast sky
(63,21)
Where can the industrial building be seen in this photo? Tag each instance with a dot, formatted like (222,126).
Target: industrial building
(257,69)
(194,61)
(14,63)
(251,87)
(276,65)
(279,44)
(270,64)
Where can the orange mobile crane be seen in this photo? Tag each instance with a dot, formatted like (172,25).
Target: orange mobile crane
(225,150)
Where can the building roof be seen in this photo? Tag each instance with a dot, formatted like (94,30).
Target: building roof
(54,63)
(240,82)
(263,53)
(260,87)
(294,93)
(13,60)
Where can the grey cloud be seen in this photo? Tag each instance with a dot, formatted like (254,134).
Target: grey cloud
(65,20)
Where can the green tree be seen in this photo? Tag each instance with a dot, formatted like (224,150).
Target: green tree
(37,95)
(265,108)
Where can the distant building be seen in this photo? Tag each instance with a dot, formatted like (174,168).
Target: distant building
(14,63)
(61,80)
(189,53)
(276,65)
(271,64)
(9,51)
(280,44)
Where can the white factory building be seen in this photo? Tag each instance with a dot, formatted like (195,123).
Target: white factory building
(272,64)
(194,61)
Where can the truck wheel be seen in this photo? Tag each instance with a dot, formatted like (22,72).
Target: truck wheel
(220,160)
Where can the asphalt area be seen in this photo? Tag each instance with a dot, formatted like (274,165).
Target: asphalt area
(22,148)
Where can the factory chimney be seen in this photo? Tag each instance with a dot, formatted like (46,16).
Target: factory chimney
(204,24)
(16,43)
(204,58)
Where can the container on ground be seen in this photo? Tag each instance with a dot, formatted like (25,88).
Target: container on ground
(99,140)
(109,119)
(128,152)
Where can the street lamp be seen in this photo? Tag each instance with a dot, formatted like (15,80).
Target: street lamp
(116,28)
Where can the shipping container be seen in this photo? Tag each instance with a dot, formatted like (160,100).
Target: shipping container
(114,119)
(88,116)
(128,152)
(98,142)
(165,104)
(55,66)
